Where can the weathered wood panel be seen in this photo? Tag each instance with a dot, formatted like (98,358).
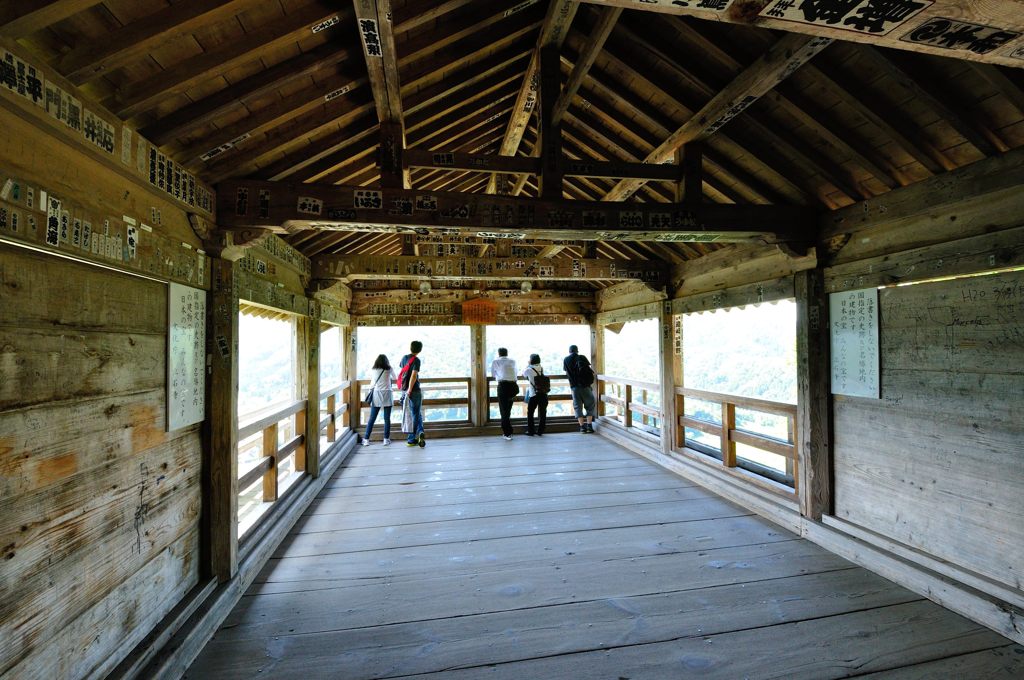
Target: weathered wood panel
(99,510)
(936,464)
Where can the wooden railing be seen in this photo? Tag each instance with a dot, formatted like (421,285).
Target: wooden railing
(632,396)
(557,382)
(428,385)
(729,435)
(273,453)
(334,404)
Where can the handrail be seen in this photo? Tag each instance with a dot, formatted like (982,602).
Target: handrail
(334,390)
(254,426)
(642,384)
(626,402)
(776,407)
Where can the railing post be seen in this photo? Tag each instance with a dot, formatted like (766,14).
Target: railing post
(627,415)
(728,425)
(270,451)
(332,406)
(813,434)
(643,400)
(677,427)
(300,430)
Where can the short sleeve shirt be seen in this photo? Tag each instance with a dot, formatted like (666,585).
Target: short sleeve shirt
(415,367)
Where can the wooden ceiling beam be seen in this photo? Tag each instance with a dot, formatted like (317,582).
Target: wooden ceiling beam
(131,100)
(418,18)
(483,73)
(404,267)
(552,33)
(298,206)
(774,66)
(999,80)
(313,163)
(120,47)
(20,18)
(790,190)
(208,109)
(595,148)
(595,43)
(439,111)
(901,27)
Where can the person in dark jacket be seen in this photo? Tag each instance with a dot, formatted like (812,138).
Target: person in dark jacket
(581,382)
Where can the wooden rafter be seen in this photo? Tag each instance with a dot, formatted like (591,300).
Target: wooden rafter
(595,43)
(22,17)
(781,60)
(895,26)
(119,48)
(552,33)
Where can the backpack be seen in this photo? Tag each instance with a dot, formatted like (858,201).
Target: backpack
(584,373)
(402,382)
(541,384)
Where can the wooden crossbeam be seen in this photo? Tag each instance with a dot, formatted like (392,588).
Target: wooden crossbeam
(405,267)
(987,32)
(423,158)
(373,20)
(118,48)
(20,17)
(552,33)
(283,206)
(780,61)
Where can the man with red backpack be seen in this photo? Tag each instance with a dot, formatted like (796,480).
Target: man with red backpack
(408,381)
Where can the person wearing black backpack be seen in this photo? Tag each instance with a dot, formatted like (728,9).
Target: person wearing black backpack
(581,382)
(536,396)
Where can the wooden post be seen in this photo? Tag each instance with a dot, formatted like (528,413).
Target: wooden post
(669,412)
(728,424)
(550,132)
(814,397)
(597,362)
(351,371)
(309,427)
(479,404)
(627,397)
(221,468)
(270,451)
(692,159)
(332,429)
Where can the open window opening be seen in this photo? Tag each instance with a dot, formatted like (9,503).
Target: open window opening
(631,383)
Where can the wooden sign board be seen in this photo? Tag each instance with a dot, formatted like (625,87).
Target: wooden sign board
(854,333)
(480,311)
(186,356)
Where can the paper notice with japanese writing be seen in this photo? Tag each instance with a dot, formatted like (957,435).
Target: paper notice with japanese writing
(853,317)
(186,356)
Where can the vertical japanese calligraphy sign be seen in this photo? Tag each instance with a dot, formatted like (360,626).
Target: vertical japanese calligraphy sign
(854,340)
(186,356)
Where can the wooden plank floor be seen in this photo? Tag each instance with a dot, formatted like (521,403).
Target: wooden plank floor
(568,557)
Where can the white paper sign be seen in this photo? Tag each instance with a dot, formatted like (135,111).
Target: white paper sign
(854,332)
(186,356)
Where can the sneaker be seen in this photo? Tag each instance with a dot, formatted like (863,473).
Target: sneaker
(421,440)
(507,437)
(412,443)
(590,428)
(583,429)
(529,434)
(387,442)
(540,434)
(365,442)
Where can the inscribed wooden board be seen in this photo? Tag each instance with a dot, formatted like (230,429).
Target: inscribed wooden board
(854,334)
(186,351)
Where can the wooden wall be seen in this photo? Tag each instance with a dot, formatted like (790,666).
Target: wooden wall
(99,517)
(938,462)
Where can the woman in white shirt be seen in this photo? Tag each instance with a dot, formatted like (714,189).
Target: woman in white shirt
(382,377)
(535,400)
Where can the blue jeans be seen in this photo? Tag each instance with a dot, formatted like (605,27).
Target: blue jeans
(415,399)
(374,410)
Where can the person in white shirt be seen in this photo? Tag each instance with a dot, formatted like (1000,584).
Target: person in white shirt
(504,372)
(380,397)
(536,398)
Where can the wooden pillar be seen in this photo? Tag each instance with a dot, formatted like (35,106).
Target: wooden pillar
(221,465)
(351,371)
(310,448)
(550,132)
(479,404)
(814,397)
(597,362)
(669,416)
(393,173)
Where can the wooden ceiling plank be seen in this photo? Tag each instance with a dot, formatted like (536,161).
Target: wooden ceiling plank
(419,18)
(137,98)
(207,110)
(883,25)
(122,46)
(552,32)
(483,73)
(919,83)
(888,119)
(595,43)
(20,18)
(314,163)
(999,80)
(774,66)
